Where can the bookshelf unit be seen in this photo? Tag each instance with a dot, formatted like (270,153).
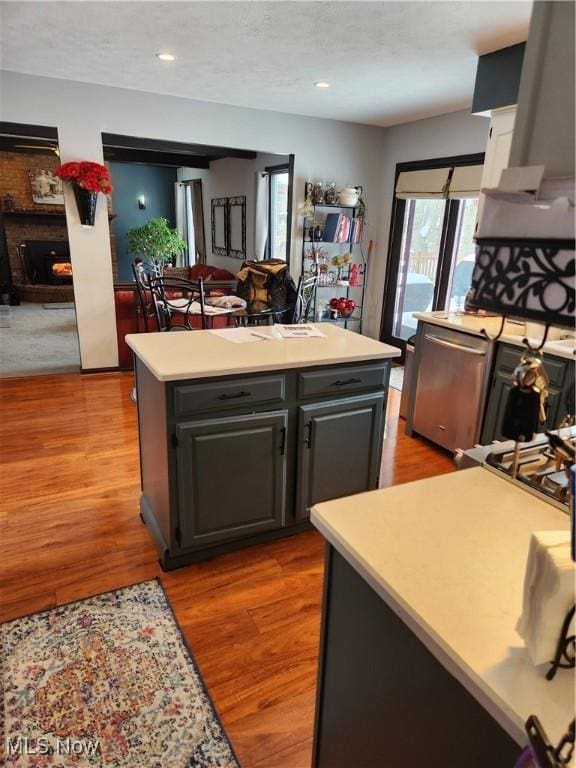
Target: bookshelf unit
(324,292)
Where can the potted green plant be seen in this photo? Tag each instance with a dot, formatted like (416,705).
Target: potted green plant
(156,243)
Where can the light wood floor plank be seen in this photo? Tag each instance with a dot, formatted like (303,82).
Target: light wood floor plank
(69,529)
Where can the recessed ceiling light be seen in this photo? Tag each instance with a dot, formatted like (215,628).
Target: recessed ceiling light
(166,56)
(322,84)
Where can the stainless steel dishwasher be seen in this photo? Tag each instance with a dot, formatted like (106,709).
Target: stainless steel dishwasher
(451,386)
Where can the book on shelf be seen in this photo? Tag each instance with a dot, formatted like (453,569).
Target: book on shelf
(356,231)
(343,230)
(331,227)
(340,228)
(337,228)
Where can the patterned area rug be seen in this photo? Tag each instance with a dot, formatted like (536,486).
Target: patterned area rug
(106,682)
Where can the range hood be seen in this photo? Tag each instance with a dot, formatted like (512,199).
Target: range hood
(525,245)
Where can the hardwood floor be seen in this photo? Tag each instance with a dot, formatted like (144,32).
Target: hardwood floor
(69,528)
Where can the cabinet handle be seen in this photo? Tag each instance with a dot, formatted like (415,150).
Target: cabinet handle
(234,396)
(308,438)
(283,441)
(343,383)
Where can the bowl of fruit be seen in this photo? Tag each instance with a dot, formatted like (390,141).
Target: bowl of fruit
(345,307)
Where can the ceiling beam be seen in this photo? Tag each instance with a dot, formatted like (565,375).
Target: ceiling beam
(172,159)
(115,140)
(29,131)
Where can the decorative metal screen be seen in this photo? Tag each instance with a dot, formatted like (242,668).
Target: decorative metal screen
(526,279)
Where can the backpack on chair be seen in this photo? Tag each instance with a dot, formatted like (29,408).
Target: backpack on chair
(269,282)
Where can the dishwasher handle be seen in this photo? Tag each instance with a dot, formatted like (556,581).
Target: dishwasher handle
(452,345)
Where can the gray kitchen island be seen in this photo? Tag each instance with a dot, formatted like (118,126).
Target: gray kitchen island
(420,661)
(239,440)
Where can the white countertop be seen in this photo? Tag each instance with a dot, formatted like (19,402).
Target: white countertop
(201,354)
(448,555)
(513,333)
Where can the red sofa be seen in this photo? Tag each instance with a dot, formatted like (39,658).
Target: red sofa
(127,310)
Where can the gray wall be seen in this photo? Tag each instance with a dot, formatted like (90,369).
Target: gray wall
(323,149)
(131,180)
(457,133)
(498,79)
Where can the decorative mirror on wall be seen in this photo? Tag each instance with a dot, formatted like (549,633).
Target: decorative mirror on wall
(220,226)
(237,227)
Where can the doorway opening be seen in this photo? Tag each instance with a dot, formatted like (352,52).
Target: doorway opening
(38,328)
(227,204)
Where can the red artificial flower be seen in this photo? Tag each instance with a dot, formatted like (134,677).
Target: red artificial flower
(91,176)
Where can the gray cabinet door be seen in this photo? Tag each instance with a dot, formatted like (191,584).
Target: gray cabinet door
(338,449)
(231,477)
(553,413)
(502,383)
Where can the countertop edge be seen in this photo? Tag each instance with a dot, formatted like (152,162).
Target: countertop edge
(423,317)
(517,341)
(453,664)
(248,368)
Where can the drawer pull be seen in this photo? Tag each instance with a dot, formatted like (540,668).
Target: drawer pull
(342,383)
(234,396)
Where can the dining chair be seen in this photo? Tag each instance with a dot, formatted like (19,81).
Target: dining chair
(177,302)
(143,273)
(305,294)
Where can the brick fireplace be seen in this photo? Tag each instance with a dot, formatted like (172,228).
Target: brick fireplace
(29,222)
(45,262)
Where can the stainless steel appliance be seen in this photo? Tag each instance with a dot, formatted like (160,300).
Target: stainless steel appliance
(541,466)
(451,386)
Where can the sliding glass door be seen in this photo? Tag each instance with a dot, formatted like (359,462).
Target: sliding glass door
(462,261)
(431,255)
(418,263)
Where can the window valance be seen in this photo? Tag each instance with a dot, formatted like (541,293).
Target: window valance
(431,182)
(461,182)
(465,182)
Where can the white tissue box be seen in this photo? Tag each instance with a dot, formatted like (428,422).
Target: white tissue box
(548,593)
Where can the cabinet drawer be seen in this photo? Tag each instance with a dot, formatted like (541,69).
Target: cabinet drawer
(509,358)
(237,393)
(342,380)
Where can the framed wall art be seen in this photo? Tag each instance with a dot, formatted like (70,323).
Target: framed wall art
(46,187)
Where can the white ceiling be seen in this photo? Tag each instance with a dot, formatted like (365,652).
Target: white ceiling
(388,62)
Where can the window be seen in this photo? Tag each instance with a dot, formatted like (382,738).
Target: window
(431,255)
(420,250)
(463,255)
(279,179)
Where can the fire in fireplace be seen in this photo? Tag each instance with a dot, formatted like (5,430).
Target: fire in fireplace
(47,262)
(59,269)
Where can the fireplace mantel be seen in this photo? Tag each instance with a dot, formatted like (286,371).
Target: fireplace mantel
(33,214)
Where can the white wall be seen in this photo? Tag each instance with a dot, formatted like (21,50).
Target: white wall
(457,133)
(232,177)
(323,149)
